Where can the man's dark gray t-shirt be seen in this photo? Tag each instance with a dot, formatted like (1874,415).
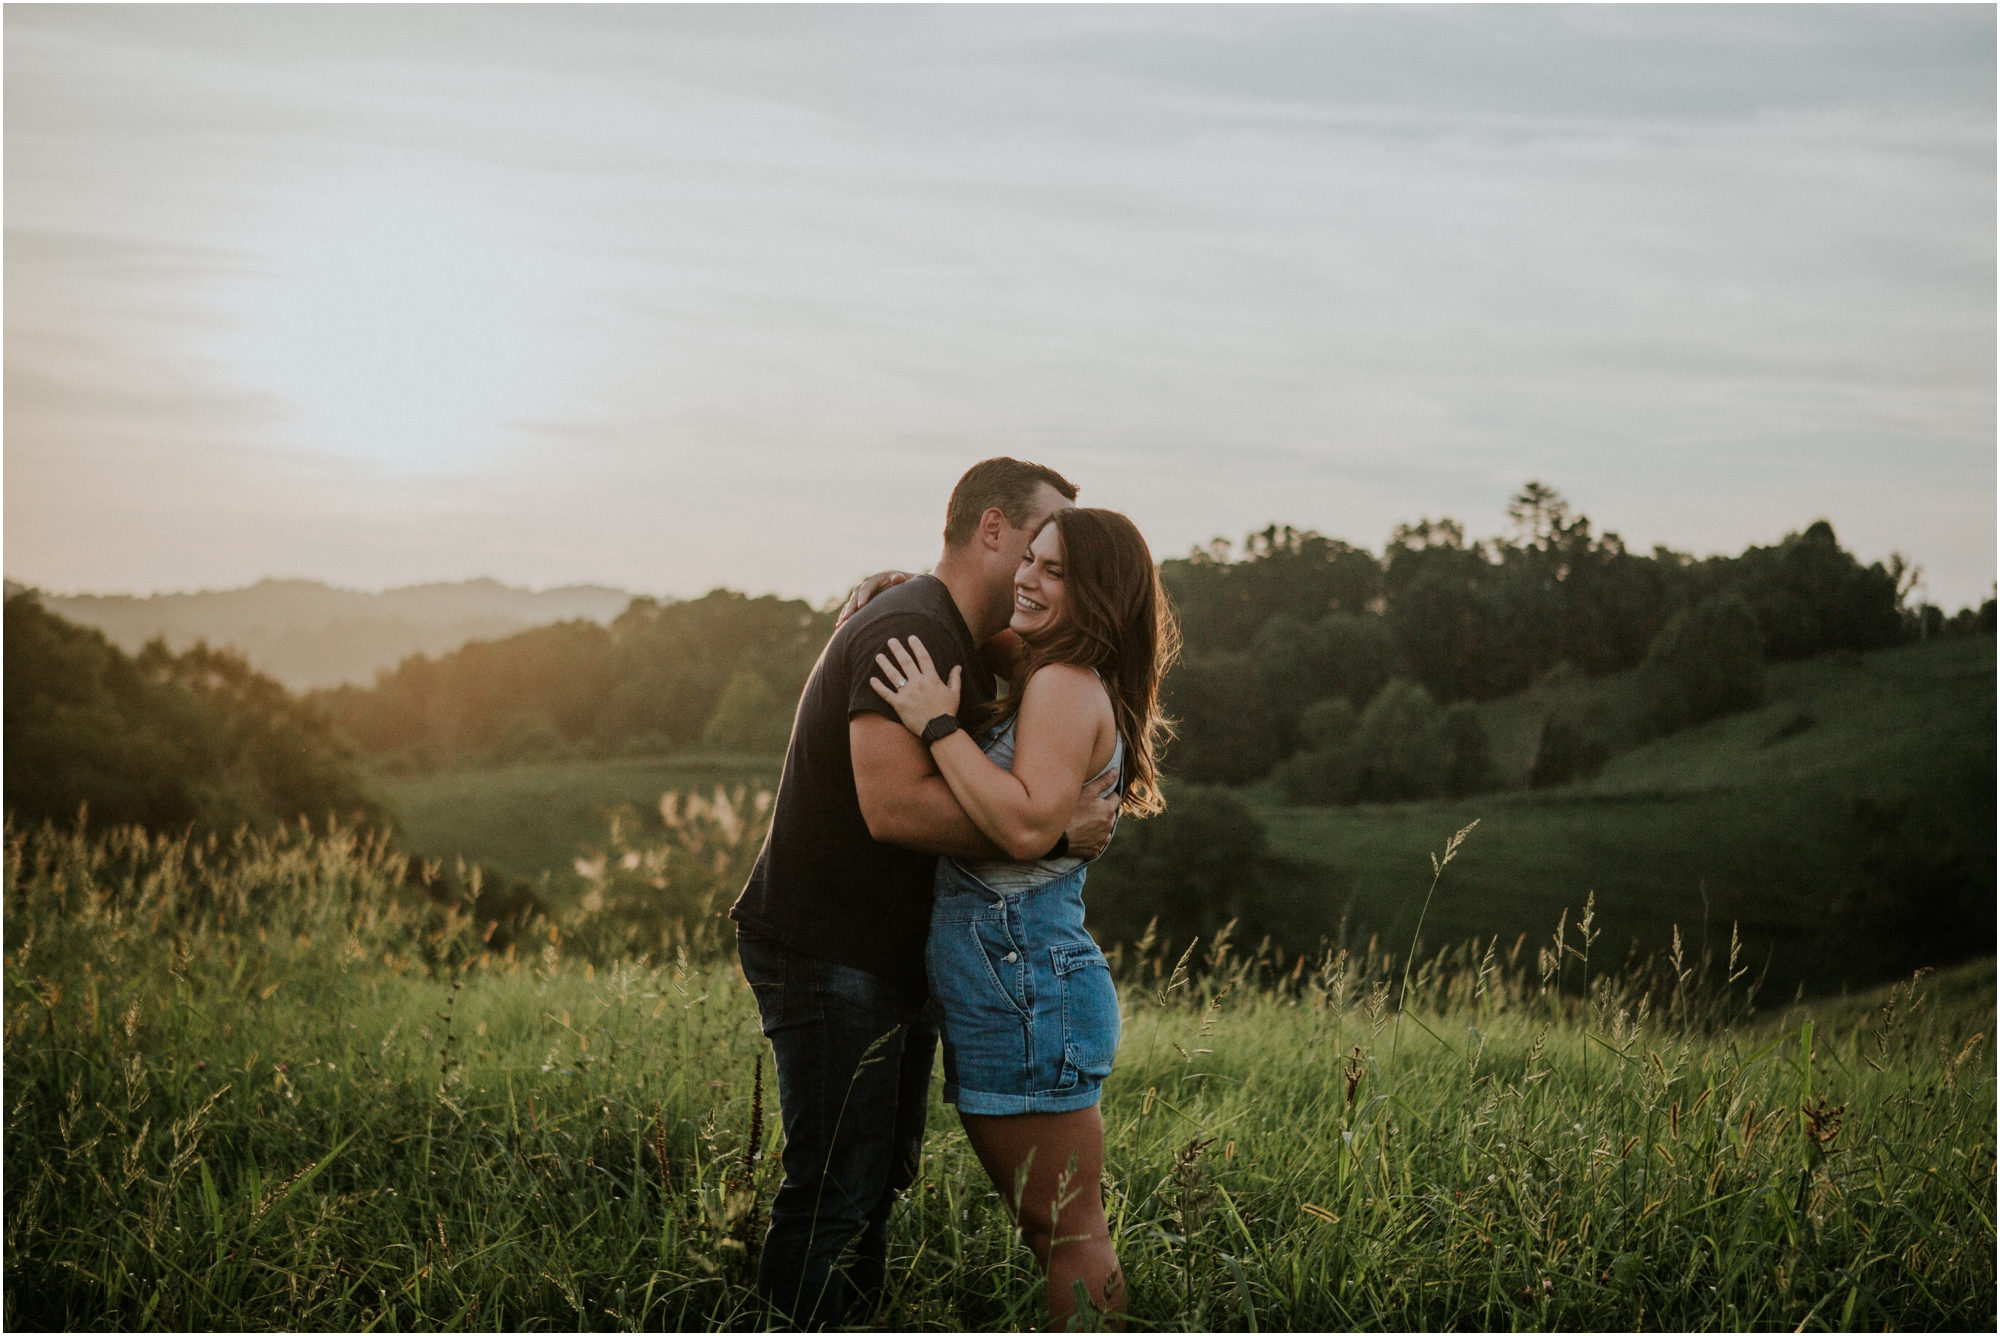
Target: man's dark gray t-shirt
(822,885)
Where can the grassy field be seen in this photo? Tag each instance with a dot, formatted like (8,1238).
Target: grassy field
(257,1087)
(1748,820)
(527,819)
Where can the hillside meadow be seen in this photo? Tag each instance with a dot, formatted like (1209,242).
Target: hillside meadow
(1846,826)
(527,819)
(258,1085)
(1656,1049)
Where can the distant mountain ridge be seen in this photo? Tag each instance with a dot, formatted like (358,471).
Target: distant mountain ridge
(307,634)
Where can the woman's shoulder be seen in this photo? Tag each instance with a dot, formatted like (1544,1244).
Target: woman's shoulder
(1065,684)
(1064,677)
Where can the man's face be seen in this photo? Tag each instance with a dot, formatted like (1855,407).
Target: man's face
(1047,502)
(1003,562)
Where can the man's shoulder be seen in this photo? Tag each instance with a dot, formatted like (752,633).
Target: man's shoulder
(922,598)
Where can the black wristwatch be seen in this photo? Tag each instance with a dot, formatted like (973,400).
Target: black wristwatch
(939,729)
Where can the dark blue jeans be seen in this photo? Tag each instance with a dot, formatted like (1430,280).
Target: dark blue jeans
(854,1058)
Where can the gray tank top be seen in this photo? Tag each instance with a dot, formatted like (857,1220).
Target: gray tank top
(1008,876)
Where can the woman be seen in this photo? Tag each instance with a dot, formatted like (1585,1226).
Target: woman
(1030,1015)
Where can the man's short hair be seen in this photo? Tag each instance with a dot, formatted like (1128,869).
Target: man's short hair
(1010,484)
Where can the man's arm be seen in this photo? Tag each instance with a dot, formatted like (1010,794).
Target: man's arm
(903,798)
(1096,812)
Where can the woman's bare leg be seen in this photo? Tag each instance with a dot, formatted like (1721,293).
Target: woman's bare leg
(1061,1202)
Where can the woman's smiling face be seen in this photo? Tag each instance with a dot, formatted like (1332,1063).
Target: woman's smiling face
(1038,585)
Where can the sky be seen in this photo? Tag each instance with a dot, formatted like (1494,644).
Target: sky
(671,298)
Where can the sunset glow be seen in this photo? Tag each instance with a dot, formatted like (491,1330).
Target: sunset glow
(670,298)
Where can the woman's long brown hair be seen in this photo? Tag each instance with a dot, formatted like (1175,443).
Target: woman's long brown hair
(1117,620)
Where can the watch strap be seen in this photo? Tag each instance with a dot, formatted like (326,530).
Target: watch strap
(940,728)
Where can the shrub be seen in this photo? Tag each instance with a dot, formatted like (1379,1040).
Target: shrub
(1921,895)
(749,718)
(1400,748)
(1343,654)
(1706,662)
(1196,866)
(1566,752)
(1471,751)
(527,735)
(1243,713)
(1324,771)
(1328,723)
(1221,741)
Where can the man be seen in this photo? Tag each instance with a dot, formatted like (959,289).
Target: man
(832,923)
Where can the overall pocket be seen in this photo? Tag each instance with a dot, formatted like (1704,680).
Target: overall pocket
(1090,1023)
(1004,964)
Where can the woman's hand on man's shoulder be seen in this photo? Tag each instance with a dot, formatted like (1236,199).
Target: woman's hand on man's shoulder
(867,590)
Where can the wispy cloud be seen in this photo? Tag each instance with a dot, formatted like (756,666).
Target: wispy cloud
(648,295)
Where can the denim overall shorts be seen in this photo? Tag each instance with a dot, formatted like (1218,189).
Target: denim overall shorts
(1029,1013)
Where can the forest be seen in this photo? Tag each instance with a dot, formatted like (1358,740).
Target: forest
(1344,672)
(161,740)
(1337,673)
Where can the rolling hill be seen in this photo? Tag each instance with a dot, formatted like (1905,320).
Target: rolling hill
(307,634)
(1847,826)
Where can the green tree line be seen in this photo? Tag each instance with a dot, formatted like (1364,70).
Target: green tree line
(723,671)
(1348,674)
(1343,674)
(172,742)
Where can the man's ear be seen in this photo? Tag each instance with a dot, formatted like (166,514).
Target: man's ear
(994,528)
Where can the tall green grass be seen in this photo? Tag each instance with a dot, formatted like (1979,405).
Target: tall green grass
(272,1083)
